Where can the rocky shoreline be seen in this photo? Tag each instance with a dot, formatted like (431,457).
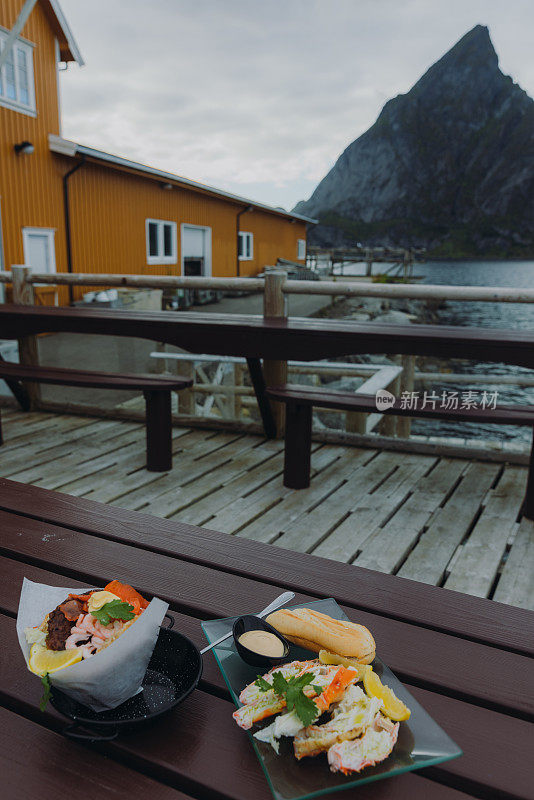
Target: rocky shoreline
(403,311)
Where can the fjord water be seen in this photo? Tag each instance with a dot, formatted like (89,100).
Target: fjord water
(517,316)
(518,274)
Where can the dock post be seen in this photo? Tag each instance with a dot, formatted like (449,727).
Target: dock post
(186,398)
(368,262)
(159,366)
(355,422)
(404,424)
(23,295)
(238,382)
(388,424)
(275,372)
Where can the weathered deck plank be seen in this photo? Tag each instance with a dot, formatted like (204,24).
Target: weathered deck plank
(426,517)
(516,584)
(256,500)
(192,466)
(53,446)
(133,460)
(275,521)
(430,556)
(387,547)
(200,477)
(373,510)
(310,529)
(476,568)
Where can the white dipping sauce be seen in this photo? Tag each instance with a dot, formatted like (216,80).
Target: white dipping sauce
(263,643)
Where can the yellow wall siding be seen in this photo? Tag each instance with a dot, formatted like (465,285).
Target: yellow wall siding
(109,208)
(109,205)
(274,237)
(30,185)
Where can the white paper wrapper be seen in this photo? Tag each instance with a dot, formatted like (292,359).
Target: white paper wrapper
(108,678)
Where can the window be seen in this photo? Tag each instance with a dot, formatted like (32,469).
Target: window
(246,248)
(39,250)
(160,242)
(301,249)
(16,77)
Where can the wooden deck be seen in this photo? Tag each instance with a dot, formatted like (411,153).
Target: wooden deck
(448,522)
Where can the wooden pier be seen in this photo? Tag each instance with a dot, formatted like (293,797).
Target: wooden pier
(400,261)
(446,521)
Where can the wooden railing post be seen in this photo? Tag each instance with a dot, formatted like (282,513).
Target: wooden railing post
(160,366)
(186,398)
(238,382)
(355,422)
(274,307)
(23,295)
(404,424)
(388,423)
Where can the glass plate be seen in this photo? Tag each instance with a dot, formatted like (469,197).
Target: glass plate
(421,742)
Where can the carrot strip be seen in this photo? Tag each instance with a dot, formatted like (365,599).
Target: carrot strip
(128,594)
(335,690)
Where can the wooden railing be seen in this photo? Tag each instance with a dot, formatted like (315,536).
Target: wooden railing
(276,287)
(222,392)
(278,278)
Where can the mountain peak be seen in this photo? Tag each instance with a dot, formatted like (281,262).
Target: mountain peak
(474,52)
(449,161)
(479,37)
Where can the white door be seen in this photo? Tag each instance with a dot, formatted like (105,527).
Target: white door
(39,250)
(196,244)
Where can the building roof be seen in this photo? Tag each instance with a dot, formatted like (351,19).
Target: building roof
(68,49)
(65,147)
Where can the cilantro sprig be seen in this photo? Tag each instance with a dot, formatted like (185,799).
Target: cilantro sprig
(115,609)
(292,690)
(45,680)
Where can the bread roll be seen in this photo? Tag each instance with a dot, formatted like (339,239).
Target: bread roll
(316,631)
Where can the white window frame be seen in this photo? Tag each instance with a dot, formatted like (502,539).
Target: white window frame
(207,254)
(27,47)
(160,258)
(247,237)
(301,249)
(50,235)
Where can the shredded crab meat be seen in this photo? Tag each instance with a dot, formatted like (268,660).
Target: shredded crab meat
(90,635)
(357,735)
(373,747)
(333,680)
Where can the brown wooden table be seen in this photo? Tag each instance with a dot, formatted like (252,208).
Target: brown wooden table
(468,661)
(254,337)
(257,337)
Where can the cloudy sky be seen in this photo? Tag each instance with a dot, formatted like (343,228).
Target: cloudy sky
(260,97)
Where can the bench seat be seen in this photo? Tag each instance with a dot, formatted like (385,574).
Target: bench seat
(300,401)
(156,391)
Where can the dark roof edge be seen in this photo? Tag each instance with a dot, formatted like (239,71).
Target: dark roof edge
(67,148)
(74,50)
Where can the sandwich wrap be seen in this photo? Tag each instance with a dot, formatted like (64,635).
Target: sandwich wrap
(111,676)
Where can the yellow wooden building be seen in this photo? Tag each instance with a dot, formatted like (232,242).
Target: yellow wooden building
(67,207)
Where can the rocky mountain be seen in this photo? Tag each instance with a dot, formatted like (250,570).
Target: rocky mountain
(448,166)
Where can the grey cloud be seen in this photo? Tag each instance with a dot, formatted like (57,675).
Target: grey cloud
(245,93)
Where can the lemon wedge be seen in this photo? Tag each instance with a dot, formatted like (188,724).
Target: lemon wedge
(393,707)
(333,659)
(43,660)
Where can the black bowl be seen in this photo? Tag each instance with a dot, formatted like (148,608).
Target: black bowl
(174,670)
(248,622)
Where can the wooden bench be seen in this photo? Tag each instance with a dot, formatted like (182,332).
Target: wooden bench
(156,391)
(300,401)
